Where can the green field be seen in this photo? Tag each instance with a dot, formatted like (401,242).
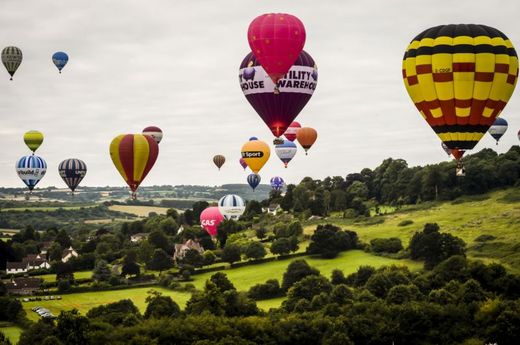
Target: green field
(245,277)
(11,332)
(86,300)
(46,209)
(140,211)
(467,218)
(77,275)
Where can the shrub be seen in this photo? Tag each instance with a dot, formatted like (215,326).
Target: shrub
(405,222)
(386,245)
(269,289)
(485,238)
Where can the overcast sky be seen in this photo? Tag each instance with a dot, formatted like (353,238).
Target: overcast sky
(174,64)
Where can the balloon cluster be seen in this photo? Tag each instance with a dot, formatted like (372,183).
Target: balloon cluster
(12,58)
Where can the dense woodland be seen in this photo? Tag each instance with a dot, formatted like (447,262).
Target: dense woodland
(451,301)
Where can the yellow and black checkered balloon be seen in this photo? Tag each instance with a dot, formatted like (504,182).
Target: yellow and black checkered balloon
(460,78)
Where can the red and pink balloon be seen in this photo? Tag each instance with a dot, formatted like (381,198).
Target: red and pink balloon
(210,218)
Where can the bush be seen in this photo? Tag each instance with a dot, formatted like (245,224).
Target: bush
(208,258)
(328,240)
(386,245)
(485,238)
(296,271)
(405,222)
(231,253)
(270,289)
(255,251)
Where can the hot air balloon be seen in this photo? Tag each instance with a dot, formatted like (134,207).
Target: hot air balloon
(306,137)
(231,206)
(286,151)
(243,163)
(33,140)
(219,161)
(253,138)
(155,132)
(11,58)
(278,111)
(72,171)
(134,156)
(277,183)
(498,128)
(31,170)
(276,39)
(460,78)
(446,148)
(210,218)
(255,154)
(290,133)
(518,135)
(254,180)
(60,59)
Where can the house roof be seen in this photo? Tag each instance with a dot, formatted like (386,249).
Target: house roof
(16,265)
(140,234)
(23,283)
(31,257)
(46,245)
(66,252)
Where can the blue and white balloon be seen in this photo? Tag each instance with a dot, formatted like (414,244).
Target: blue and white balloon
(277,183)
(253,180)
(60,59)
(31,170)
(231,206)
(498,128)
(286,151)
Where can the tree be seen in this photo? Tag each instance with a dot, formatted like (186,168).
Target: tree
(386,245)
(222,282)
(160,261)
(114,313)
(255,251)
(73,328)
(63,239)
(261,232)
(287,202)
(193,258)
(4,340)
(101,271)
(328,240)
(231,253)
(63,285)
(434,247)
(296,271)
(208,258)
(55,252)
(281,246)
(253,208)
(307,288)
(197,208)
(210,300)
(64,270)
(159,306)
(158,239)
(270,289)
(130,268)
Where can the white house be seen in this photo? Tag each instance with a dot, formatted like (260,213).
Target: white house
(36,261)
(182,248)
(138,237)
(68,254)
(17,267)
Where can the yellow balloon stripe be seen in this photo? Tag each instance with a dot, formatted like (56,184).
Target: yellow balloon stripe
(114,154)
(141,153)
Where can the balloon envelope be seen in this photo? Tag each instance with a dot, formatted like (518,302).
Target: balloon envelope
(253,180)
(11,58)
(286,151)
(210,218)
(219,161)
(290,133)
(134,156)
(231,206)
(72,171)
(60,59)
(31,170)
(33,140)
(277,183)
(295,90)
(276,39)
(460,78)
(255,154)
(306,137)
(498,128)
(155,132)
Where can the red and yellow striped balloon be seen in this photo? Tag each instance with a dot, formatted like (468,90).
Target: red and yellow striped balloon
(134,156)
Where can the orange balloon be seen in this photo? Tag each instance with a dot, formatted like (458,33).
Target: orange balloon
(306,136)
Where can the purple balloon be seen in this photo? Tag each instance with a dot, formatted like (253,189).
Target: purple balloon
(278,107)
